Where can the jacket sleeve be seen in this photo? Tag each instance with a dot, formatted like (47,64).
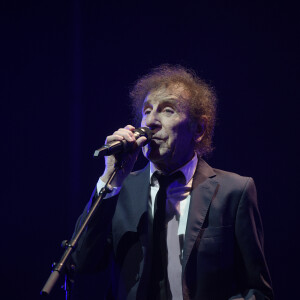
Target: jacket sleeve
(253,275)
(95,244)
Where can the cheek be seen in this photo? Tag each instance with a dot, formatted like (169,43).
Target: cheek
(184,135)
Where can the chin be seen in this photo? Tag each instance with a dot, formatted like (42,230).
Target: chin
(154,155)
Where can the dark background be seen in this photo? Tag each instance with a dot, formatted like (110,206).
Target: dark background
(66,68)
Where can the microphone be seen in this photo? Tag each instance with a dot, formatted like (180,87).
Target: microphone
(122,146)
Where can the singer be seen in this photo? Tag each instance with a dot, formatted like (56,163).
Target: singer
(178,229)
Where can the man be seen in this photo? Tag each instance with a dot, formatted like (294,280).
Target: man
(178,229)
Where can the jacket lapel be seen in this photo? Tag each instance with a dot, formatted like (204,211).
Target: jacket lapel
(132,204)
(204,189)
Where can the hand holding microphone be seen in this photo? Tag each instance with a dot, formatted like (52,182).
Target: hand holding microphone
(122,145)
(127,143)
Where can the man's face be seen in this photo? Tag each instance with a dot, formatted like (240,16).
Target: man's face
(165,112)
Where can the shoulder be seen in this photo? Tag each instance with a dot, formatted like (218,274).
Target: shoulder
(236,185)
(231,177)
(223,178)
(145,171)
(229,183)
(138,177)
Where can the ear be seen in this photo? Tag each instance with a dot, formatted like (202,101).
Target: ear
(200,129)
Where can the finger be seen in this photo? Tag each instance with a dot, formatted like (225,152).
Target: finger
(121,134)
(127,134)
(130,127)
(141,141)
(114,137)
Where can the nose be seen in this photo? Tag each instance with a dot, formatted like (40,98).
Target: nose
(151,120)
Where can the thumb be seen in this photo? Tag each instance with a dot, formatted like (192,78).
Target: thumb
(141,141)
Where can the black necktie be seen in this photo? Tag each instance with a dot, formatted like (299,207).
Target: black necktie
(159,284)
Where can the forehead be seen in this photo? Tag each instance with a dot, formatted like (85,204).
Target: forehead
(174,93)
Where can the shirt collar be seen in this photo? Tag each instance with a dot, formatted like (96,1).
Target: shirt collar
(187,170)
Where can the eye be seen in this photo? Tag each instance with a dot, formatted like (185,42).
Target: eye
(147,111)
(168,110)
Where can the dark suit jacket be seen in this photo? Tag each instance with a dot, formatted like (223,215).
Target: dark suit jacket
(223,255)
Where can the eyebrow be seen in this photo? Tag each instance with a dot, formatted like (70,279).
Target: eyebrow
(170,100)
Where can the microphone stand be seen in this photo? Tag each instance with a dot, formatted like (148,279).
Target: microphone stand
(60,267)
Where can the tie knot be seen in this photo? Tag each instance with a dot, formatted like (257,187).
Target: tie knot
(165,180)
